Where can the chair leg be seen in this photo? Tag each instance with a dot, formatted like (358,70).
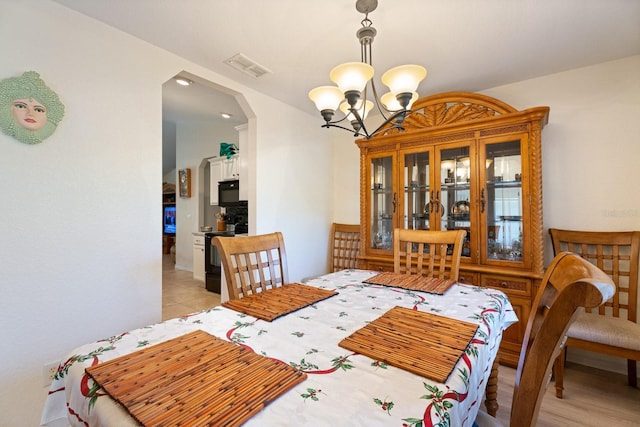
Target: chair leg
(558,370)
(632,373)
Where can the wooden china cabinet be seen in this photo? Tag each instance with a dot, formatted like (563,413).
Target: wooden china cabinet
(464,161)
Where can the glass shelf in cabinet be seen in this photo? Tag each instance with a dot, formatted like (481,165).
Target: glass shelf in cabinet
(416,187)
(504,184)
(515,218)
(380,189)
(457,185)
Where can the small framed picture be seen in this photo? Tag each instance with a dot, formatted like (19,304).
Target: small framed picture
(184,180)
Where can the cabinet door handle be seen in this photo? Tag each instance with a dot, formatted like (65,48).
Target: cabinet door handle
(482,201)
(431,202)
(395,201)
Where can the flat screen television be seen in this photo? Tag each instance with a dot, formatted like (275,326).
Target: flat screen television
(169,220)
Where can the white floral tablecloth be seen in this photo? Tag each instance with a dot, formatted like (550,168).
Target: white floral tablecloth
(342,388)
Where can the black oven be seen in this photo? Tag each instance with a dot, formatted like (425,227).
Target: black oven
(237,214)
(212,266)
(228,193)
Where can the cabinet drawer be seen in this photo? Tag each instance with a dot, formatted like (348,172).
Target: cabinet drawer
(468,278)
(509,285)
(198,240)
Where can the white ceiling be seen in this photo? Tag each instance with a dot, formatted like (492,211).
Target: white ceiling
(199,101)
(466,45)
(195,103)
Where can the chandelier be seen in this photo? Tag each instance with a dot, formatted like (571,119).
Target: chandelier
(352,96)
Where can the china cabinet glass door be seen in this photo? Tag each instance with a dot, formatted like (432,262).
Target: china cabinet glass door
(383,202)
(417,189)
(454,197)
(501,201)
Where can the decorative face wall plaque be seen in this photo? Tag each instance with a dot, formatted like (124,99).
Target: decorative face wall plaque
(29,110)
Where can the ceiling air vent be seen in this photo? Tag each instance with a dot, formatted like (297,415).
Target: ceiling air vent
(247,66)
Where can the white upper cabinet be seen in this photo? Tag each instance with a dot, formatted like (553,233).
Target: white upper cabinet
(226,169)
(215,170)
(230,168)
(222,169)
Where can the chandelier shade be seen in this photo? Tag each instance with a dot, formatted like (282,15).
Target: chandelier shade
(351,76)
(326,97)
(363,112)
(404,78)
(353,80)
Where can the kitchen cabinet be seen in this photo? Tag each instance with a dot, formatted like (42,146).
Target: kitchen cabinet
(198,257)
(215,170)
(464,161)
(222,169)
(230,168)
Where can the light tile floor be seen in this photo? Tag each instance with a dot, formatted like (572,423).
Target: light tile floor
(181,294)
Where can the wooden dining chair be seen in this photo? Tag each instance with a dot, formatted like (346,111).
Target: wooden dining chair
(428,253)
(252,263)
(613,328)
(345,247)
(569,283)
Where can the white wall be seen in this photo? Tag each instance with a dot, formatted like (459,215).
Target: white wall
(81,251)
(168,146)
(293,189)
(590,155)
(346,180)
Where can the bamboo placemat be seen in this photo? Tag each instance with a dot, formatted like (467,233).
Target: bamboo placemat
(412,282)
(194,379)
(422,343)
(273,303)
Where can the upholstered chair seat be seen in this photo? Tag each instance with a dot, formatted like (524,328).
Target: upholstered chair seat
(613,331)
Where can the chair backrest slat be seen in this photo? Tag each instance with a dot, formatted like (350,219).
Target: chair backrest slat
(345,240)
(617,254)
(252,263)
(428,253)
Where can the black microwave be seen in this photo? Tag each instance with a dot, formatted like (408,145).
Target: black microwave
(228,193)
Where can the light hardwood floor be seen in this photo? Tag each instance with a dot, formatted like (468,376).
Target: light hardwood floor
(592,397)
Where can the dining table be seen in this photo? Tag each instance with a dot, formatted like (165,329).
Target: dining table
(342,387)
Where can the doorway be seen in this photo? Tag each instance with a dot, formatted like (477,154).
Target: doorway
(192,128)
